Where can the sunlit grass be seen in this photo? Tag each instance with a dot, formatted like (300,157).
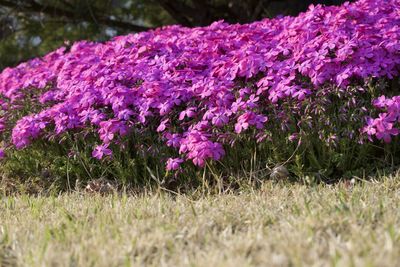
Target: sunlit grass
(279,224)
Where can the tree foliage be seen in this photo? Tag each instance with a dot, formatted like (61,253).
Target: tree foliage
(29,28)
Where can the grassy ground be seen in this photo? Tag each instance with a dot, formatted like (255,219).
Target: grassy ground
(277,225)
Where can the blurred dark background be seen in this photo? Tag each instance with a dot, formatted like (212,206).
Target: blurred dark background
(30,28)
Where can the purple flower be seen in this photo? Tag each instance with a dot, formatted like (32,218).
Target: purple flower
(369,129)
(190,113)
(387,134)
(301,94)
(174,163)
(162,126)
(380,102)
(173,140)
(293,137)
(248,119)
(207,82)
(100,151)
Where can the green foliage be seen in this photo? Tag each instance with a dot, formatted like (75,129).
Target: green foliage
(28,33)
(325,147)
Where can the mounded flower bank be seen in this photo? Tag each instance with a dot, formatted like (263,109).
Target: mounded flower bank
(318,89)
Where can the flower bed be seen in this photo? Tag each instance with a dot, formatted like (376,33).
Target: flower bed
(199,91)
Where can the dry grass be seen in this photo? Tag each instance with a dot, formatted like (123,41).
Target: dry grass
(277,225)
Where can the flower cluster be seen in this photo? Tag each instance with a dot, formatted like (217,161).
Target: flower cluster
(383,127)
(198,87)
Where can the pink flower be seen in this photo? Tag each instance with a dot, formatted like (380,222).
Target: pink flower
(190,113)
(293,137)
(369,129)
(380,102)
(100,151)
(174,163)
(203,83)
(163,125)
(387,135)
(301,94)
(173,140)
(250,119)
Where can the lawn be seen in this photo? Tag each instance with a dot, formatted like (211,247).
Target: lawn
(278,224)
(263,128)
